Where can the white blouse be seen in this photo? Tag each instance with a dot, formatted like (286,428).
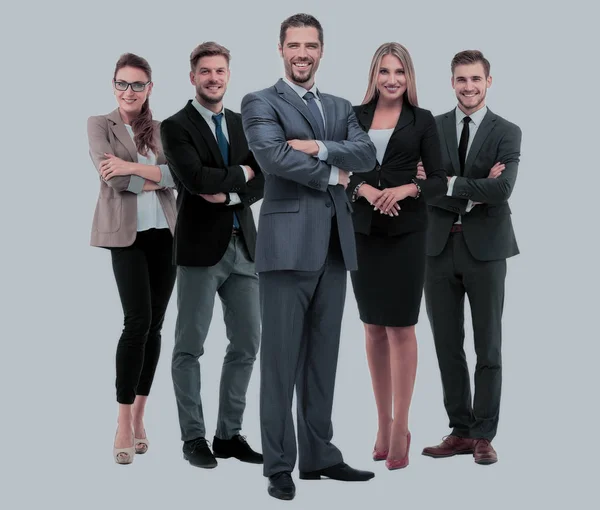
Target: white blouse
(149,211)
(380,138)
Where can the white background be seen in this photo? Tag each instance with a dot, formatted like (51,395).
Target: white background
(61,316)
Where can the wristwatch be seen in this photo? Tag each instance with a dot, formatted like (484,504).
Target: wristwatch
(227,198)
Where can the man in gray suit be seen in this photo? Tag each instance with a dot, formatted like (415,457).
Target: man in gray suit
(306,143)
(470,236)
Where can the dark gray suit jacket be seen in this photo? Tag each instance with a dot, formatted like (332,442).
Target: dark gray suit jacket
(295,217)
(487,228)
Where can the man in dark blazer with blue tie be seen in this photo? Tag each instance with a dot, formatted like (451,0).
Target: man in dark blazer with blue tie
(470,236)
(306,142)
(217,181)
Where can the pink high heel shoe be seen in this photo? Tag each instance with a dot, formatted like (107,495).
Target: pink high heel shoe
(379,455)
(392,464)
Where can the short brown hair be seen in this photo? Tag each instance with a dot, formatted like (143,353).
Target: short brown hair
(208,49)
(470,57)
(297,21)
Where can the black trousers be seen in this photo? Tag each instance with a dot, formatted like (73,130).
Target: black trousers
(448,277)
(145,278)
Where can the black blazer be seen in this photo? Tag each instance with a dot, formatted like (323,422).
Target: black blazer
(487,228)
(414,138)
(203,230)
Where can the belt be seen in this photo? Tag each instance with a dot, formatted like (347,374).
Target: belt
(236,232)
(456,228)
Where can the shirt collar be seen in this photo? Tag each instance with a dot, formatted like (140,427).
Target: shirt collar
(205,112)
(301,90)
(476,117)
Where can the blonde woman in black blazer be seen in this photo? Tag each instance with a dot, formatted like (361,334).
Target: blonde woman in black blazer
(390,219)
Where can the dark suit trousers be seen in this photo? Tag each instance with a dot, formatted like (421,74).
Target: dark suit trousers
(301,322)
(449,276)
(145,278)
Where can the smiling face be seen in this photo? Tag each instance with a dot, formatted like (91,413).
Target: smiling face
(131,102)
(391,79)
(210,78)
(301,52)
(470,86)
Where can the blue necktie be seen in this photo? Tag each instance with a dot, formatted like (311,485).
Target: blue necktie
(314,109)
(224,148)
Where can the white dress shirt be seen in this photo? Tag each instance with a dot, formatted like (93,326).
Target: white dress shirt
(476,119)
(323,152)
(150,213)
(207,115)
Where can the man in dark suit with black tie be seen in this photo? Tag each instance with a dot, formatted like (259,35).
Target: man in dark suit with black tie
(217,181)
(470,236)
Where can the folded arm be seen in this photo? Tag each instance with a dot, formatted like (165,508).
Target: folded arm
(494,191)
(268,143)
(185,163)
(254,189)
(356,153)
(97,130)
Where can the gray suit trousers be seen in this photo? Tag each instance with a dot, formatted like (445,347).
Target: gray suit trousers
(301,321)
(234,280)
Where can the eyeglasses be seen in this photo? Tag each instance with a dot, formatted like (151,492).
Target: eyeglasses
(136,86)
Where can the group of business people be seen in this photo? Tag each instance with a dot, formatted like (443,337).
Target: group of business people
(407,202)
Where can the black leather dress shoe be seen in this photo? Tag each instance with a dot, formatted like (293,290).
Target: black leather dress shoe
(281,486)
(236,447)
(198,454)
(341,471)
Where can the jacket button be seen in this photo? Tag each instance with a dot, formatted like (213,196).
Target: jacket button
(327,204)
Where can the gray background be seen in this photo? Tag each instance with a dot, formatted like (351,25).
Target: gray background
(61,316)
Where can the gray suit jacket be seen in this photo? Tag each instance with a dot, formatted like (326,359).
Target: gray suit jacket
(295,217)
(115,217)
(487,228)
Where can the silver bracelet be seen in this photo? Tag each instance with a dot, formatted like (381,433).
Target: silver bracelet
(355,192)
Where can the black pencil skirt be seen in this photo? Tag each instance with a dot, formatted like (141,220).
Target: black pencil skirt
(388,285)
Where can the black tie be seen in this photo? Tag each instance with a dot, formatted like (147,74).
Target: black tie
(314,109)
(464,142)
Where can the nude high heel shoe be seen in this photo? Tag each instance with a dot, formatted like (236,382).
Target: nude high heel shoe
(141,444)
(124,455)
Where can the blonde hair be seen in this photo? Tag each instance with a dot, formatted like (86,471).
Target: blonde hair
(402,54)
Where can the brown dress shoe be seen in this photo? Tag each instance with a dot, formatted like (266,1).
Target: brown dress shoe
(450,446)
(484,452)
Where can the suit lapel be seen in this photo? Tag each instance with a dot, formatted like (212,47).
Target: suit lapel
(365,115)
(289,95)
(487,126)
(120,132)
(329,114)
(235,131)
(202,127)
(367,112)
(449,128)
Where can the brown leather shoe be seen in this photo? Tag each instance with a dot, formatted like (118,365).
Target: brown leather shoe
(450,446)
(484,452)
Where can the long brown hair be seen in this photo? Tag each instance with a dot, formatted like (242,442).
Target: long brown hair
(143,128)
(402,54)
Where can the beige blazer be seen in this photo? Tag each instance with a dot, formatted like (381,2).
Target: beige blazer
(115,217)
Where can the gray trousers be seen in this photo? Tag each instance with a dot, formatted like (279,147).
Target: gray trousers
(234,280)
(301,322)
(450,276)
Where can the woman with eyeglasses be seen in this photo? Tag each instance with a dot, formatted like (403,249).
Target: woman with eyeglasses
(135,220)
